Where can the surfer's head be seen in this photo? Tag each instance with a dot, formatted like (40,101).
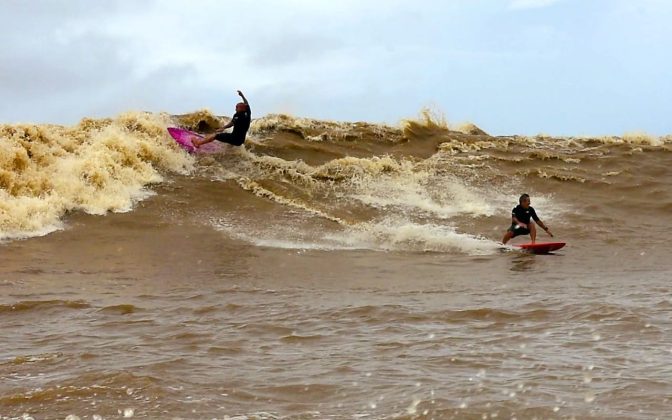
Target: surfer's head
(524,200)
(241,107)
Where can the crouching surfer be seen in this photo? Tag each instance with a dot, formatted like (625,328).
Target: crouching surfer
(521,221)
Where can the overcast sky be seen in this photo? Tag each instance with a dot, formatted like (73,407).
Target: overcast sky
(565,67)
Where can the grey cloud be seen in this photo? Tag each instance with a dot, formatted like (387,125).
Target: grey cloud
(292,48)
(66,80)
(52,10)
(37,23)
(79,65)
(157,91)
(49,64)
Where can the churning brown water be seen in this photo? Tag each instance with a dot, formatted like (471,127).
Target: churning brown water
(330,270)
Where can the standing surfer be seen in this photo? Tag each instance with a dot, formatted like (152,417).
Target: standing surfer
(240,123)
(521,223)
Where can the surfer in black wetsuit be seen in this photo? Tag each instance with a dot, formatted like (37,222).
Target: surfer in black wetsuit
(240,123)
(521,223)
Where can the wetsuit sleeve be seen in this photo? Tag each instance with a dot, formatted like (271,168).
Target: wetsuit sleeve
(534,215)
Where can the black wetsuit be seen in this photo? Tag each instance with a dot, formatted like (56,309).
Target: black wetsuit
(523,215)
(241,123)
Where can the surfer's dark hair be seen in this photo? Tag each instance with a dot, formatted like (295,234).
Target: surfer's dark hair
(523,197)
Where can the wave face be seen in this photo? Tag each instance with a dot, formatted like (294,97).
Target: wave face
(97,166)
(422,186)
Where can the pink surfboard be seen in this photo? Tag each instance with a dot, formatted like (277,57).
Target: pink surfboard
(542,247)
(183,137)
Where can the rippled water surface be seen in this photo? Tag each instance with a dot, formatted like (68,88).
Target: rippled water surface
(221,328)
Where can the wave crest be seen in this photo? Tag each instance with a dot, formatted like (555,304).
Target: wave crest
(96,166)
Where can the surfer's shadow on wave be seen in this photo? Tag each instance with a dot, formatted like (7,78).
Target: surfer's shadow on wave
(523,263)
(526,261)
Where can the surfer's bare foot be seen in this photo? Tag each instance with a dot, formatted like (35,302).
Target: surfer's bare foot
(195,143)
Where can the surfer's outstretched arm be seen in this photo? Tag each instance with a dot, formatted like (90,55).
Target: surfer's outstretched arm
(544,227)
(542,224)
(228,125)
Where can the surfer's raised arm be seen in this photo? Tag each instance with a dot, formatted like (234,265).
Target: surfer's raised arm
(244,98)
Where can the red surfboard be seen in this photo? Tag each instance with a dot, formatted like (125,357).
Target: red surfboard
(542,247)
